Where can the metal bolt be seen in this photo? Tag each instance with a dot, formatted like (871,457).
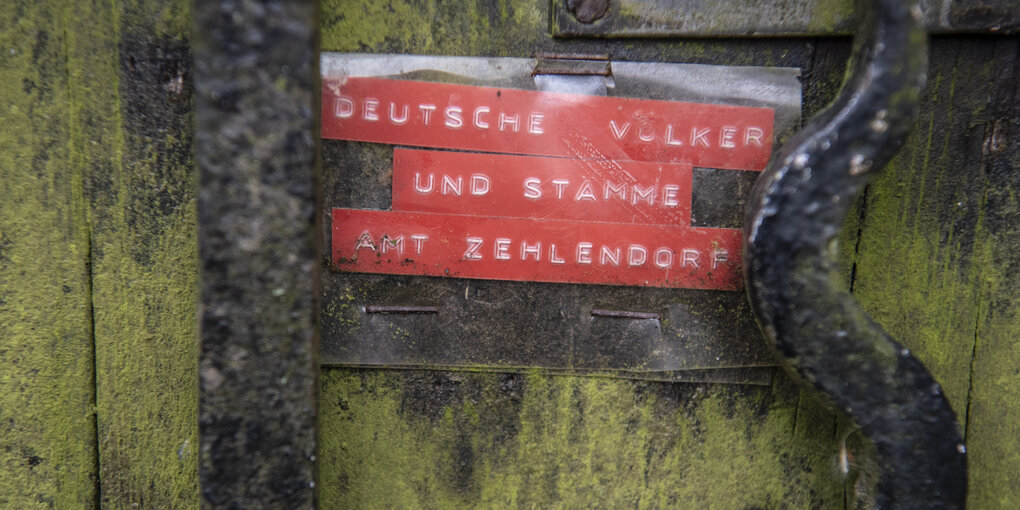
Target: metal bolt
(588,11)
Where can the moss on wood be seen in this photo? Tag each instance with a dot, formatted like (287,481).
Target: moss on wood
(47,420)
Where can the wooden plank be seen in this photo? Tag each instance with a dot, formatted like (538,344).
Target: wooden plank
(938,254)
(993,427)
(410,439)
(47,421)
(133,73)
(914,271)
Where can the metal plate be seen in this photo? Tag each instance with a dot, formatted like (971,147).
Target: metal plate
(742,18)
(408,321)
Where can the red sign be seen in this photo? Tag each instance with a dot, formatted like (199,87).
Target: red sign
(567,188)
(535,250)
(541,187)
(546,124)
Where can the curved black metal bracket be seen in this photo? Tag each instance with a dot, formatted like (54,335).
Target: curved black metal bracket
(817,328)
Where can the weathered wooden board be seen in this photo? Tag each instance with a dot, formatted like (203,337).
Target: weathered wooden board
(938,252)
(47,421)
(993,431)
(406,439)
(97,243)
(140,186)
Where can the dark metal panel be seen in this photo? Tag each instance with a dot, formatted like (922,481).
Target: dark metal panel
(644,333)
(256,83)
(742,18)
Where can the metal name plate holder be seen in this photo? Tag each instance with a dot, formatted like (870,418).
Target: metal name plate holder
(498,321)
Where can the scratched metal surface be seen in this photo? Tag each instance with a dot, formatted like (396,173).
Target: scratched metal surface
(748,18)
(680,335)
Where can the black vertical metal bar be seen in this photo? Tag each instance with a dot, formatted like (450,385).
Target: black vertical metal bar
(256,144)
(817,328)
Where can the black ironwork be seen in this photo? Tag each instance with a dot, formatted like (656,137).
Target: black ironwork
(256,144)
(817,328)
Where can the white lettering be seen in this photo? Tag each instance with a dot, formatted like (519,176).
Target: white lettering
(719,256)
(393,114)
(426,112)
(726,134)
(669,137)
(474,243)
(585,193)
(388,243)
(532,249)
(479,184)
(535,123)
(365,241)
(531,189)
(560,184)
(423,189)
(612,256)
(753,135)
(636,255)
(555,259)
(344,107)
(502,249)
(689,256)
(617,132)
(453,118)
(699,136)
(639,194)
(451,186)
(368,109)
(584,253)
(419,240)
(505,121)
(646,136)
(669,198)
(610,190)
(663,258)
(479,123)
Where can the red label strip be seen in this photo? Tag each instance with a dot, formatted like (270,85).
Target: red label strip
(535,250)
(541,187)
(545,123)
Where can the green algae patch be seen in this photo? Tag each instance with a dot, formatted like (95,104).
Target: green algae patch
(920,219)
(420,439)
(131,128)
(453,28)
(47,420)
(829,16)
(938,256)
(143,219)
(993,432)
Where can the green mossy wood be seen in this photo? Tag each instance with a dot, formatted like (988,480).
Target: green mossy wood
(940,247)
(141,189)
(98,360)
(97,225)
(47,397)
